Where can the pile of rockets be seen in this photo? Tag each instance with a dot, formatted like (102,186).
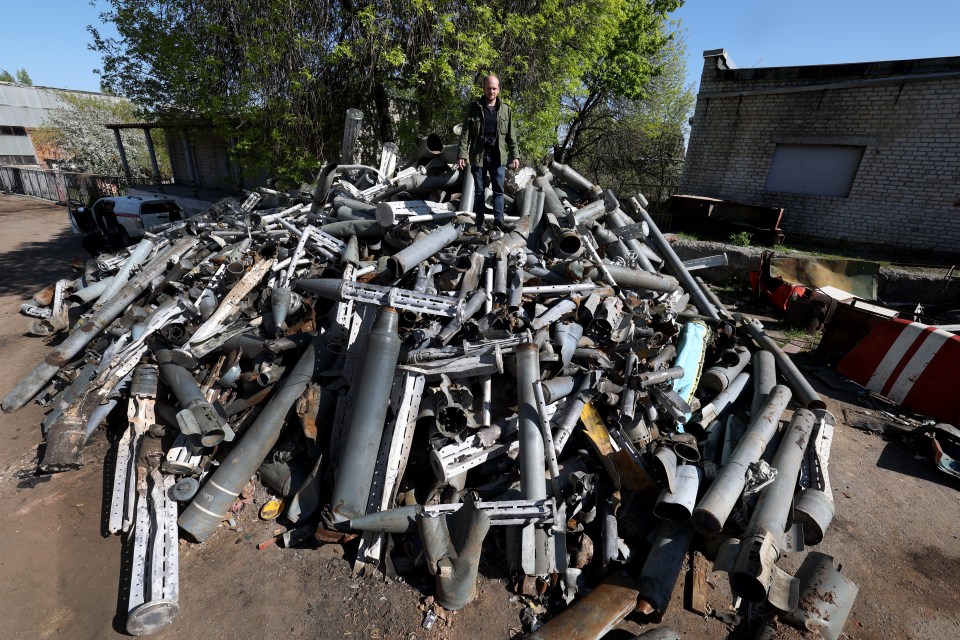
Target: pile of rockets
(563,390)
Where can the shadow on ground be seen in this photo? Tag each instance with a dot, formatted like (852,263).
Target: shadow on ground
(31,265)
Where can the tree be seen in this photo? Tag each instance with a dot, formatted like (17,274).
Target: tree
(631,59)
(22,77)
(77,132)
(278,75)
(635,142)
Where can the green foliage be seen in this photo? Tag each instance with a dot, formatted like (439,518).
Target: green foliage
(626,131)
(741,239)
(21,77)
(278,75)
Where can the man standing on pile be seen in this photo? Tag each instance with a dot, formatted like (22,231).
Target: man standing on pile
(487,139)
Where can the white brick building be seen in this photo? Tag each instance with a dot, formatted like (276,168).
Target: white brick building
(865,153)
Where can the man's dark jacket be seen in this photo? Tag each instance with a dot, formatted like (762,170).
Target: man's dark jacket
(471,137)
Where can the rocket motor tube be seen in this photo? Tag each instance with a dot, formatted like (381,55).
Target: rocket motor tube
(217,495)
(355,472)
(715,506)
(753,570)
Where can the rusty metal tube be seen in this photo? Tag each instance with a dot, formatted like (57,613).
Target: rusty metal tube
(635,278)
(594,615)
(662,568)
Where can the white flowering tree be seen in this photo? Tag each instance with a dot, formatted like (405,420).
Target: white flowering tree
(77,133)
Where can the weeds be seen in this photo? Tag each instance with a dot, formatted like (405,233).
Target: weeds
(741,239)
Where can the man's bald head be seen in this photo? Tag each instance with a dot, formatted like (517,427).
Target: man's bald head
(491,88)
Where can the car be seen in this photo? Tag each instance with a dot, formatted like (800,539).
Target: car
(118,221)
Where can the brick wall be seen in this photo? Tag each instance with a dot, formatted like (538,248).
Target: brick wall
(906,115)
(209,157)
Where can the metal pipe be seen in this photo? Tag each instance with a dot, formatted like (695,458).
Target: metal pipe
(358,459)
(359,228)
(589,213)
(754,571)
(663,357)
(560,387)
(217,495)
(468,192)
(452,544)
(405,260)
(569,420)
(470,309)
(515,290)
(644,256)
(666,251)
(805,393)
(137,256)
(678,504)
(594,615)
(351,130)
(764,367)
(718,501)
(707,291)
(500,280)
(37,379)
(575,180)
(611,244)
(531,458)
(198,418)
(717,378)
(662,568)
(634,278)
(650,378)
(551,202)
(91,292)
(486,381)
(718,405)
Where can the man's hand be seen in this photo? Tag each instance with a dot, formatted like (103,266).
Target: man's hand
(461,163)
(515,164)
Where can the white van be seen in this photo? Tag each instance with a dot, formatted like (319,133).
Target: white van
(130,215)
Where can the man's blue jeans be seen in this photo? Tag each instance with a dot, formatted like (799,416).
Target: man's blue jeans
(495,170)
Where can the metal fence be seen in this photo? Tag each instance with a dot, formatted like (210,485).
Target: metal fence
(60,186)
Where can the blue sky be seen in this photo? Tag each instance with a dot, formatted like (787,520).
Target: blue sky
(775,33)
(49,37)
